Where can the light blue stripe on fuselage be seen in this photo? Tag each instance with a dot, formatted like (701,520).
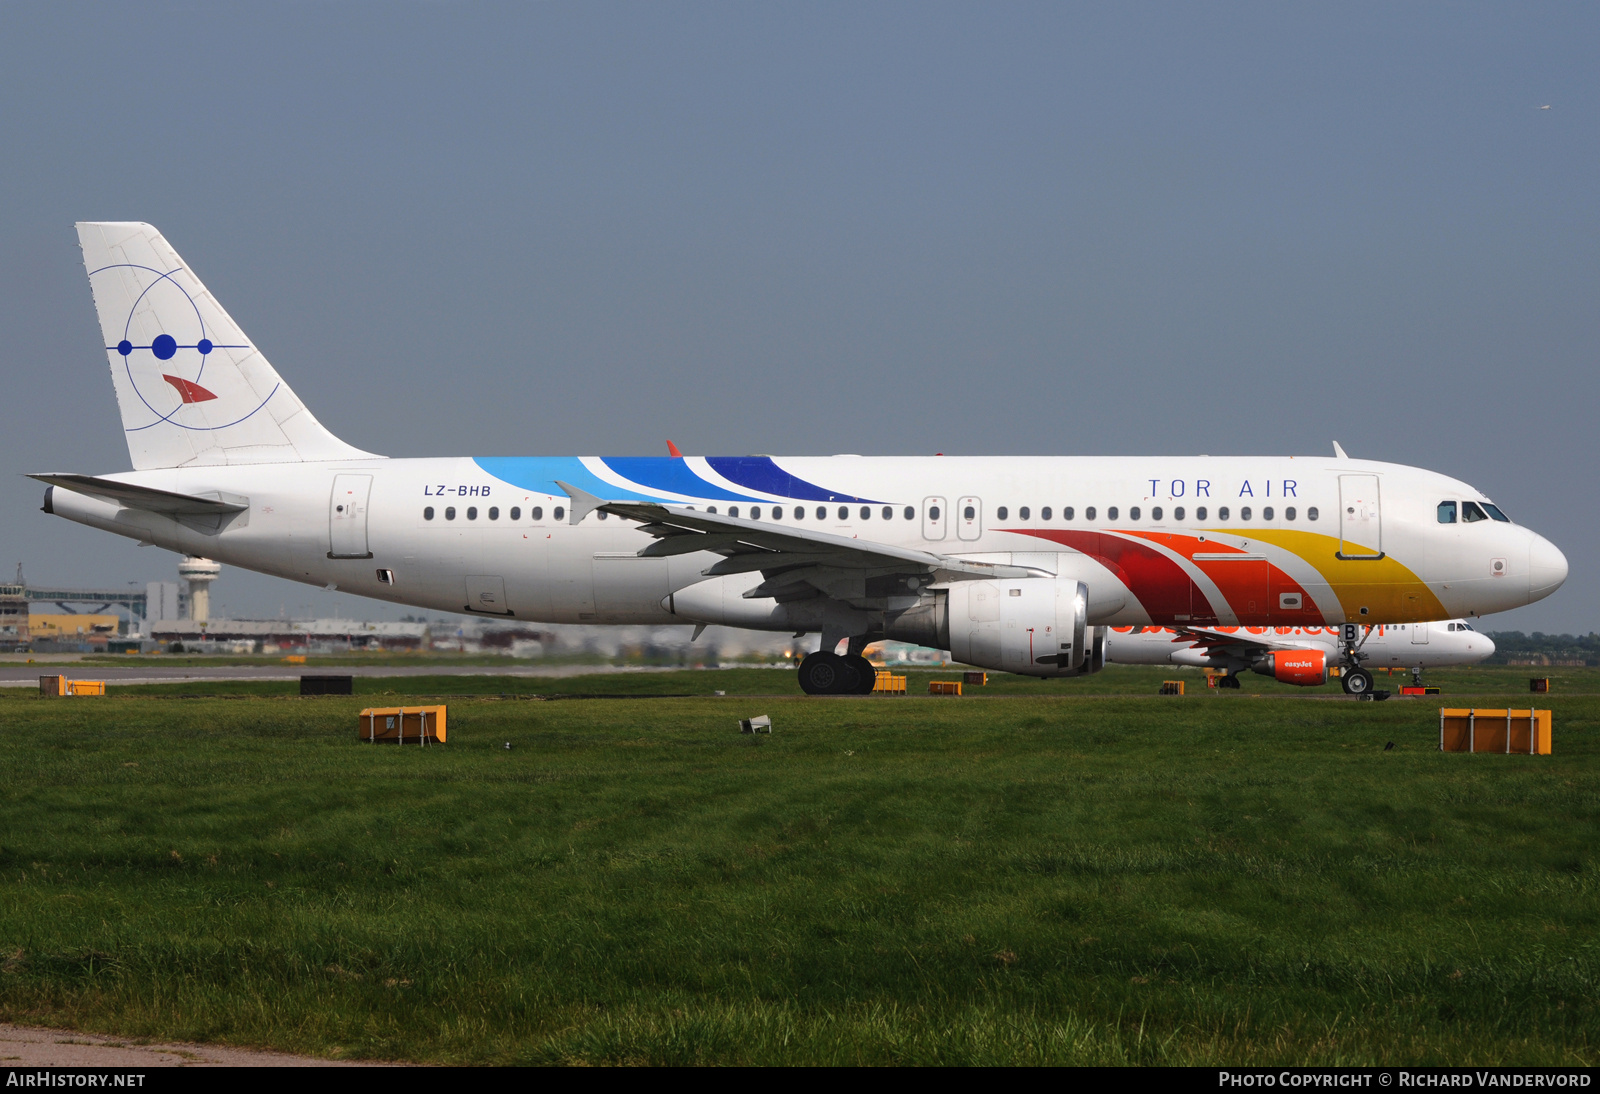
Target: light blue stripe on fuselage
(539,474)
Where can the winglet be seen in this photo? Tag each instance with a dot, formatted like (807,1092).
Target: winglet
(1339,452)
(583,502)
(672,450)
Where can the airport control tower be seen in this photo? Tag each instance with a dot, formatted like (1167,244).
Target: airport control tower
(199,573)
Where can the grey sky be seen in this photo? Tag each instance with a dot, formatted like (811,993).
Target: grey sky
(482,229)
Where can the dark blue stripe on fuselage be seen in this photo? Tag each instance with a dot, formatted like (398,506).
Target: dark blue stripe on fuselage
(760,473)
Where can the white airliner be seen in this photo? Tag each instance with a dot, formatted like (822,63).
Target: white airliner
(1015,564)
(1280,652)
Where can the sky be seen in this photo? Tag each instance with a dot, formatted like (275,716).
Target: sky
(483,229)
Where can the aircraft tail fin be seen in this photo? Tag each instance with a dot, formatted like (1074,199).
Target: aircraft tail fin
(191,387)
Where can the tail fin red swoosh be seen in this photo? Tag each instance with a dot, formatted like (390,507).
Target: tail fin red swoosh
(188,390)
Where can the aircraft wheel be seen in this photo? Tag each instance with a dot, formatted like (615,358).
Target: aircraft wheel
(823,673)
(1356,682)
(1230,681)
(867,675)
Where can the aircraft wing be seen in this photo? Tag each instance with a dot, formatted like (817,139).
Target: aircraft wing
(796,562)
(148,498)
(1213,641)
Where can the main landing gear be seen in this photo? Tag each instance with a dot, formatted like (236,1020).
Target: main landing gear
(829,674)
(1228,681)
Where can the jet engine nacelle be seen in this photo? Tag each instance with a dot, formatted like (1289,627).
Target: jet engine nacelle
(1305,668)
(1034,626)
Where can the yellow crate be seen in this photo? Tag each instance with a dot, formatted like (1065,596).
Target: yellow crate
(944,687)
(295,659)
(1520,732)
(887,683)
(1172,687)
(399,725)
(86,687)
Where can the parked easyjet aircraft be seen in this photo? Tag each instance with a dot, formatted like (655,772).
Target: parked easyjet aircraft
(1014,564)
(1291,654)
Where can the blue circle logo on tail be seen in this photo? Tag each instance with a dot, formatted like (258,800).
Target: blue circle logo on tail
(166,347)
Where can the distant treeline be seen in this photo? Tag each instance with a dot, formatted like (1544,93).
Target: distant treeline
(1541,648)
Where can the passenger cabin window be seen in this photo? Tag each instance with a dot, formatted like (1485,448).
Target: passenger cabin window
(559,512)
(1200,512)
(822,512)
(969,512)
(933,512)
(516,512)
(1266,514)
(733,510)
(1088,514)
(427,514)
(1023,513)
(1155,514)
(1222,512)
(1177,514)
(888,512)
(537,512)
(844,512)
(1244,512)
(1494,511)
(911,512)
(1311,513)
(1111,513)
(472,512)
(1288,514)
(711,508)
(866,512)
(799,512)
(1133,513)
(1044,514)
(494,512)
(1066,514)
(777,512)
(1447,512)
(1471,514)
(449,512)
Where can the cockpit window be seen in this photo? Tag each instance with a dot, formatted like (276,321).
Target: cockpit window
(1447,512)
(1494,511)
(1470,513)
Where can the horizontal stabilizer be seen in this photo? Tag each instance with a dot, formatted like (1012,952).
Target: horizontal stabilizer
(148,498)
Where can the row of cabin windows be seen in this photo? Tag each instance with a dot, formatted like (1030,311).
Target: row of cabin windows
(1157,513)
(865,512)
(515,513)
(1471,512)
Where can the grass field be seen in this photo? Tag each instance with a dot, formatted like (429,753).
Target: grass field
(1035,874)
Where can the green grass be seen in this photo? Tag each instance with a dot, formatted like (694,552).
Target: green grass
(1030,875)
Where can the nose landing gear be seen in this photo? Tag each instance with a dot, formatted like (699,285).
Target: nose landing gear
(1355,680)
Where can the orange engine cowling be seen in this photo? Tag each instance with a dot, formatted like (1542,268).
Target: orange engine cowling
(1307,668)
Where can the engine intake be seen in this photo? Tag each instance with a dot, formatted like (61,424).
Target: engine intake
(1035,626)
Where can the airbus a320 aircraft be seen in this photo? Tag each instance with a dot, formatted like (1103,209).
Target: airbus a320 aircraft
(1014,564)
(1290,654)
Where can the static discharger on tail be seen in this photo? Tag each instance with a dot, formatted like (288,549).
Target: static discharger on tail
(1017,564)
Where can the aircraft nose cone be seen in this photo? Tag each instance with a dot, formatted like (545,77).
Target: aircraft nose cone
(1547,568)
(1482,646)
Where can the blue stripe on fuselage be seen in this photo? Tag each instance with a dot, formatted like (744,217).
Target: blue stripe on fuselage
(672,475)
(760,473)
(539,474)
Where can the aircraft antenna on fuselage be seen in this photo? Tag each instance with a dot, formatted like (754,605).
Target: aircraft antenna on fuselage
(1338,451)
